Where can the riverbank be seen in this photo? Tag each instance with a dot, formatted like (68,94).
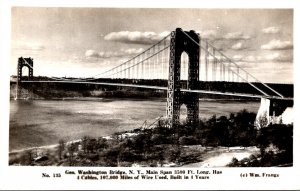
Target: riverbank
(145,146)
(81,91)
(210,156)
(215,142)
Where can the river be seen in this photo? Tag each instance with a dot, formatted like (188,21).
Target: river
(35,123)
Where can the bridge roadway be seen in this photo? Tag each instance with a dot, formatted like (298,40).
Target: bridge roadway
(164,88)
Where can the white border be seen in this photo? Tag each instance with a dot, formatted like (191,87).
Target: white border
(30,177)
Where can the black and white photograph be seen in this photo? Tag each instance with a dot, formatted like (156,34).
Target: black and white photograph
(177,93)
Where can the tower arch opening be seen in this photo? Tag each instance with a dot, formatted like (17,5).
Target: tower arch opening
(25,72)
(184,69)
(183,114)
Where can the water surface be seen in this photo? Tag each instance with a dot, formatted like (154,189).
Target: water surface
(36,123)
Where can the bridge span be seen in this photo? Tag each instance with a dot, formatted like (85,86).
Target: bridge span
(236,94)
(181,55)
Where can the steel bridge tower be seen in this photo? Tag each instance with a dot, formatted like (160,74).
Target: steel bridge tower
(180,43)
(23,62)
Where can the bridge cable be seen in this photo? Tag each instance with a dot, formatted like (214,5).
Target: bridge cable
(231,61)
(230,68)
(125,63)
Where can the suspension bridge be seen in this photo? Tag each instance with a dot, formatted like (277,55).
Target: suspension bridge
(183,59)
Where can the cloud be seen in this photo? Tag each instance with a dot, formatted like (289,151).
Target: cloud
(219,58)
(271,30)
(238,46)
(236,36)
(91,53)
(252,58)
(277,57)
(274,57)
(31,46)
(237,57)
(208,34)
(213,35)
(109,54)
(36,47)
(163,34)
(132,50)
(136,37)
(277,45)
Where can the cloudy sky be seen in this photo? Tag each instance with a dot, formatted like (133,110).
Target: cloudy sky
(83,42)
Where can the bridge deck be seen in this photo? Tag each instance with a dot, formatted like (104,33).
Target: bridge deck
(164,88)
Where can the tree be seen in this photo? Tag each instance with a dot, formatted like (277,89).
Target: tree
(221,130)
(84,143)
(101,143)
(188,140)
(71,151)
(61,148)
(234,162)
(91,145)
(27,157)
(142,142)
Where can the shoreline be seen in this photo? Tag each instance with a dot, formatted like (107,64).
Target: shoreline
(125,98)
(210,154)
(52,146)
